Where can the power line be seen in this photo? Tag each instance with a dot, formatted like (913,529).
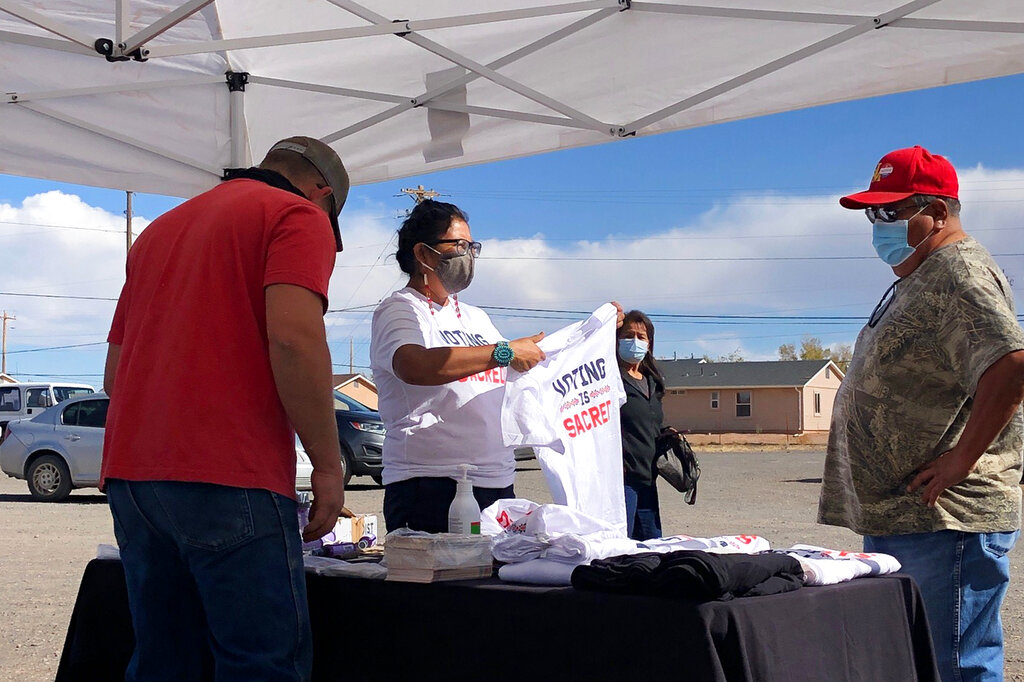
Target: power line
(700,259)
(76,298)
(75,345)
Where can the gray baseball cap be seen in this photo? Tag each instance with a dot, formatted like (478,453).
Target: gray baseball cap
(329,164)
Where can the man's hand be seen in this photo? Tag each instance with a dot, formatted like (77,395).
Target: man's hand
(947,469)
(620,317)
(328,503)
(527,353)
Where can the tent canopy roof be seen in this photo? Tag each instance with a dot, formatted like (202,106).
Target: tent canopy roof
(405,87)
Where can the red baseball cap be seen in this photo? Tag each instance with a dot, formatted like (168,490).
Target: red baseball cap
(904,173)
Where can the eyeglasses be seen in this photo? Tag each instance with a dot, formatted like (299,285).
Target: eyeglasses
(462,246)
(883,305)
(889,214)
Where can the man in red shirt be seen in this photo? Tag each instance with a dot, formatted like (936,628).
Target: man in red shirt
(218,355)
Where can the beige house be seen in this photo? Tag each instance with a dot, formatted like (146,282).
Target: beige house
(792,397)
(7,379)
(357,387)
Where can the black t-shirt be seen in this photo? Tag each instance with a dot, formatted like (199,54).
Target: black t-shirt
(641,418)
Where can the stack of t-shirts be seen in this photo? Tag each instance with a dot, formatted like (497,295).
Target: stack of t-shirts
(692,574)
(830,566)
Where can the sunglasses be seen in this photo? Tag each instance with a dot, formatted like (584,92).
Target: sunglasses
(887,298)
(462,246)
(887,214)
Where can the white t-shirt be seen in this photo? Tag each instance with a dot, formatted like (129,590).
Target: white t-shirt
(569,404)
(433,429)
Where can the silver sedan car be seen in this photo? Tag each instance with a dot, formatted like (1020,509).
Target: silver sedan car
(59,449)
(62,448)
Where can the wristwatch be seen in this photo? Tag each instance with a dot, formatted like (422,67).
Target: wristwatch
(503,354)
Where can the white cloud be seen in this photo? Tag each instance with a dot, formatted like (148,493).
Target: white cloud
(60,261)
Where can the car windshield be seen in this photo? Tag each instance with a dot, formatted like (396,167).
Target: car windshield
(344,402)
(62,393)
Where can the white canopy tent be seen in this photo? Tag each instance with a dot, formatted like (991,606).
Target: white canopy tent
(161,95)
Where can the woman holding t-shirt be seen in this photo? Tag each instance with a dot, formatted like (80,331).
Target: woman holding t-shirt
(439,365)
(640,418)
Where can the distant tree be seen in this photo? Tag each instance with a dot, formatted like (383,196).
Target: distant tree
(734,356)
(811,349)
(707,358)
(787,351)
(841,355)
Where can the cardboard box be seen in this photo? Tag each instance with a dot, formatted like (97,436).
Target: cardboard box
(355,528)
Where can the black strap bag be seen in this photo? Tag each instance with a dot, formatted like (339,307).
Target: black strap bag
(677,464)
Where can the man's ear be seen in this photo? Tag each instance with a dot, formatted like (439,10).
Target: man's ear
(940,211)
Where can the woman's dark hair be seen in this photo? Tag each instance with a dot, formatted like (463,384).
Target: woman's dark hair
(426,223)
(648,367)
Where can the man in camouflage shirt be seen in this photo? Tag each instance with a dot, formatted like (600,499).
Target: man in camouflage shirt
(924,453)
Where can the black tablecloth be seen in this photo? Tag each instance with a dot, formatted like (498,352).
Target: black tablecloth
(871,629)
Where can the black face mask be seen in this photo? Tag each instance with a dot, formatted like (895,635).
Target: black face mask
(269,177)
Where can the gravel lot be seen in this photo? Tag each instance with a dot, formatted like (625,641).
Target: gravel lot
(46,546)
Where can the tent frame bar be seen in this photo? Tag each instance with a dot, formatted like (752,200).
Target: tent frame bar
(376,29)
(13,97)
(45,43)
(121,13)
(776,64)
(514,56)
(400,99)
(471,65)
(169,21)
(19,10)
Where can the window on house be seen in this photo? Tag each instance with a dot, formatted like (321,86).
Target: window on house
(714,400)
(742,403)
(828,372)
(817,402)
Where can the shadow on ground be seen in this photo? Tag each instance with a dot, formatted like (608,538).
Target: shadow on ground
(74,499)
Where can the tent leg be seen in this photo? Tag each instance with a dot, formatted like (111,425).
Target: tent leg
(236,87)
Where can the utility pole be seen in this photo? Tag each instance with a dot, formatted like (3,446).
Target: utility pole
(128,227)
(419,194)
(3,351)
(351,356)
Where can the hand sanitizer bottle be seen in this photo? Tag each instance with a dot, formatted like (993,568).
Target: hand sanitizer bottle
(464,514)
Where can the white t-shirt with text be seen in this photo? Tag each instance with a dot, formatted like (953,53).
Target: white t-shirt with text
(433,429)
(569,404)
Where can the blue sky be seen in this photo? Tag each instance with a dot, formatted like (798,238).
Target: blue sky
(758,188)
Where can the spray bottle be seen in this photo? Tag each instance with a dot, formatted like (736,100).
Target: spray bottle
(464,514)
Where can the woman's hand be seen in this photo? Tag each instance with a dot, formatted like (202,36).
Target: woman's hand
(526,352)
(621,316)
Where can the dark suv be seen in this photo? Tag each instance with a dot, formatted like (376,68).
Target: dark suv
(361,433)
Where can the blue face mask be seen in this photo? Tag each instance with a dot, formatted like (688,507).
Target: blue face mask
(632,350)
(891,242)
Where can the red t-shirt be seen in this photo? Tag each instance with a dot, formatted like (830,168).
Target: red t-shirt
(195,398)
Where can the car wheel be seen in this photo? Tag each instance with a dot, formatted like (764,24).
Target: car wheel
(378,479)
(346,465)
(49,479)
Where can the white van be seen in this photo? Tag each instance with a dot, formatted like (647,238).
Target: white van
(18,401)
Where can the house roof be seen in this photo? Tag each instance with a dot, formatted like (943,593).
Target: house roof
(342,379)
(7,379)
(697,374)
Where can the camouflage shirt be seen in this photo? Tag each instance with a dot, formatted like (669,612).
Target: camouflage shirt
(906,398)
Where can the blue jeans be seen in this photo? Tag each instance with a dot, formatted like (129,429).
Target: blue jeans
(643,518)
(212,568)
(963,578)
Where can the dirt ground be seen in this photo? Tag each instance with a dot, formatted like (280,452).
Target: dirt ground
(771,493)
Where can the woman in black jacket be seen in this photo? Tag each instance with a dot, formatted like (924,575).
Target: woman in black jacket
(641,417)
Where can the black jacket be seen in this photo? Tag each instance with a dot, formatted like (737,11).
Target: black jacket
(641,419)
